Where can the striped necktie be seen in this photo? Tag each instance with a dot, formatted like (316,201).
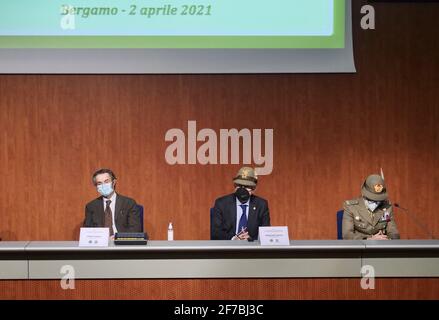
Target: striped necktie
(108,217)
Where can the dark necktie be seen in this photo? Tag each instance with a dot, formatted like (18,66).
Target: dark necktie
(108,217)
(243,220)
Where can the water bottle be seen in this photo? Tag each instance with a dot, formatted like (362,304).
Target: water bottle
(170,232)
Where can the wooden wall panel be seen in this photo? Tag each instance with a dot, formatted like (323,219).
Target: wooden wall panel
(235,289)
(330,132)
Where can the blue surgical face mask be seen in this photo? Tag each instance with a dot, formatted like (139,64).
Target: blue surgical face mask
(372,205)
(105,189)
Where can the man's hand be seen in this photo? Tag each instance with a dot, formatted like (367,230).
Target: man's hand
(243,235)
(379,236)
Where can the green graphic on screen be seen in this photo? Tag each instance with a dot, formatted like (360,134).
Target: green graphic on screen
(172,24)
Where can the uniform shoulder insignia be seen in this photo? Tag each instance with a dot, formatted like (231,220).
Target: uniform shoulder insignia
(351,202)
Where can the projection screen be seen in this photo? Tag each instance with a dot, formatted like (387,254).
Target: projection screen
(175,36)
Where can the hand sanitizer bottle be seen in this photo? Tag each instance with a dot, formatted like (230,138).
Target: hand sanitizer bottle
(170,232)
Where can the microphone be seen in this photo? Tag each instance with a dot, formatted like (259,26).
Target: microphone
(415,219)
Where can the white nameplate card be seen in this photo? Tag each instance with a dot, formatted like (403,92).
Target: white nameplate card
(94,237)
(274,236)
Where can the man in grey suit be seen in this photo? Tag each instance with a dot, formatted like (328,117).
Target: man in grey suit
(111,210)
(239,215)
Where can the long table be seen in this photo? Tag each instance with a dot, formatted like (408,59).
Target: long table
(219,259)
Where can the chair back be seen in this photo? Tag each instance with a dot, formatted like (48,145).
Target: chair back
(212,212)
(140,207)
(339,224)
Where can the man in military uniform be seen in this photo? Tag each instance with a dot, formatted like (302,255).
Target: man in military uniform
(239,215)
(370,216)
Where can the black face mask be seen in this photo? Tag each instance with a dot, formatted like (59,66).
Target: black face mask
(242,194)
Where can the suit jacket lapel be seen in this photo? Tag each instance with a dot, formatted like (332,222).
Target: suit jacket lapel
(252,216)
(364,211)
(100,212)
(232,213)
(117,208)
(378,215)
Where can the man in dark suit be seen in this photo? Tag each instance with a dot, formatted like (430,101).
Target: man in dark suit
(111,210)
(239,215)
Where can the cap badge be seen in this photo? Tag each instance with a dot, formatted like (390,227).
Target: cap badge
(378,188)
